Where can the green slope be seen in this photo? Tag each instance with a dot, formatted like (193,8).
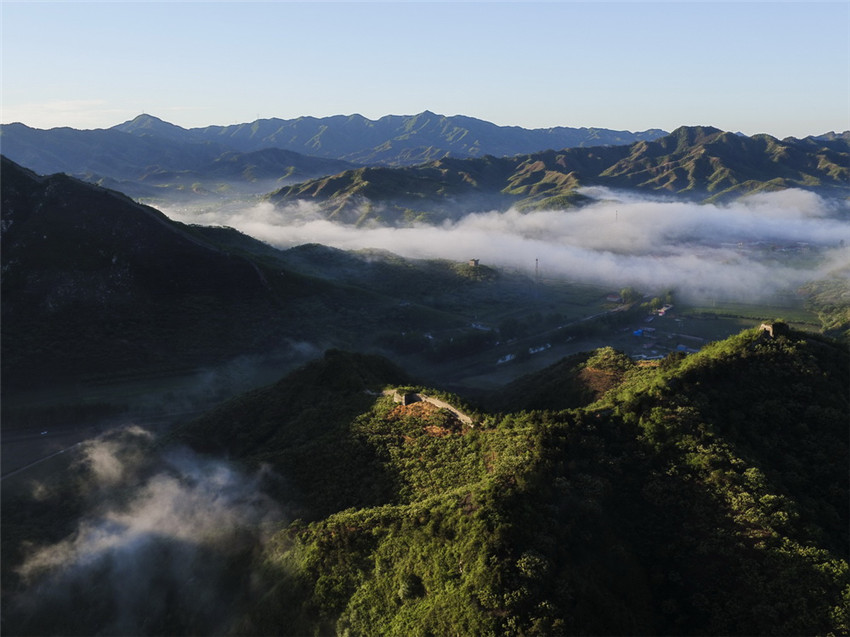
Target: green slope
(700,163)
(159,160)
(704,496)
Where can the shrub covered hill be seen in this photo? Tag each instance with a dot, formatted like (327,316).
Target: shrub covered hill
(702,163)
(705,495)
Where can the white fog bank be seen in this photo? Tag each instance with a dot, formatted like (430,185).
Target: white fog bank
(751,249)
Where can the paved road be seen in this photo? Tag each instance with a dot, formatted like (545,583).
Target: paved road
(21,449)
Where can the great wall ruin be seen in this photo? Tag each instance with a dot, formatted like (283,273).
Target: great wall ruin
(407,398)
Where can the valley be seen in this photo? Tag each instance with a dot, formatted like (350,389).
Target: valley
(420,319)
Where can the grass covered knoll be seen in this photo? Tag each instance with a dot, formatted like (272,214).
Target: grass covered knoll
(706,495)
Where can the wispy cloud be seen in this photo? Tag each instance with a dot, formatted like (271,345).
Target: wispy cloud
(164,532)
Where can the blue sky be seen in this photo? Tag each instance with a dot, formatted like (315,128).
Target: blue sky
(777,67)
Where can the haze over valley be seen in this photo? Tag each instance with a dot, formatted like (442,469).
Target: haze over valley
(754,249)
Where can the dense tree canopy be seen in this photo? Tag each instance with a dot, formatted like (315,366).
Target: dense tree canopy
(704,495)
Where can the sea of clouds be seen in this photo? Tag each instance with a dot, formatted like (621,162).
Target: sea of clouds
(750,249)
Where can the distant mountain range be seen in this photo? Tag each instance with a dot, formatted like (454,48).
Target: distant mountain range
(700,163)
(151,166)
(393,140)
(148,157)
(425,167)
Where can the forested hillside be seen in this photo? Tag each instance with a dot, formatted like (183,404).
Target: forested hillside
(94,283)
(708,495)
(705,495)
(694,162)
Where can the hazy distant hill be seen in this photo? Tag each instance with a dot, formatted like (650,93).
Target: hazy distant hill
(158,163)
(147,156)
(700,163)
(107,153)
(424,166)
(391,140)
(231,173)
(831,136)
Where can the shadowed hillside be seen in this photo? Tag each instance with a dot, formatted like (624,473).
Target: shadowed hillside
(94,282)
(99,289)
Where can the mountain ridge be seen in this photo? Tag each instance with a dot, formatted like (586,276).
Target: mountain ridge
(699,163)
(397,139)
(148,157)
(563,506)
(390,140)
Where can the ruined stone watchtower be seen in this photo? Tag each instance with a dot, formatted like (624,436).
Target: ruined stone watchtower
(777,328)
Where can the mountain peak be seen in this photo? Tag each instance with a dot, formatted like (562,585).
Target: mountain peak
(145,124)
(691,135)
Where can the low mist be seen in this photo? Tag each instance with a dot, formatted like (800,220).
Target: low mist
(165,548)
(750,249)
(208,386)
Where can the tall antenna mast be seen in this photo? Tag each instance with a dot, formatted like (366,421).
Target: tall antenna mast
(536,277)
